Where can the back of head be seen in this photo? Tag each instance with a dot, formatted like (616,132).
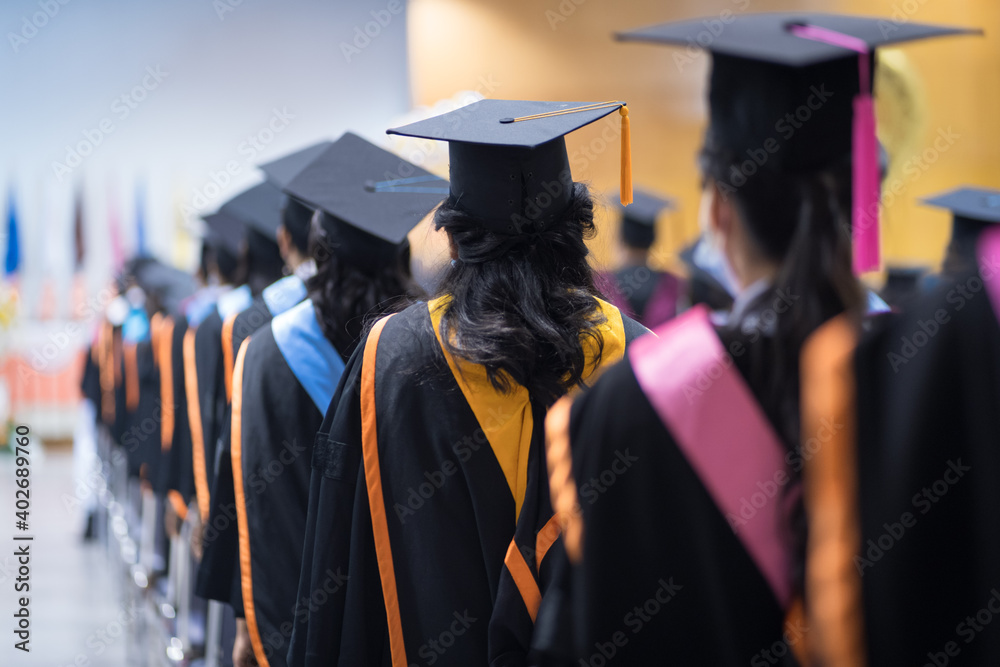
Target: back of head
(264,264)
(351,289)
(522,304)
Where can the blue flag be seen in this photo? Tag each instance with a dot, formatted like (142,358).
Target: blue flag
(13,259)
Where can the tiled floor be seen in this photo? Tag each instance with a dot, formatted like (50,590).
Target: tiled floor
(77,609)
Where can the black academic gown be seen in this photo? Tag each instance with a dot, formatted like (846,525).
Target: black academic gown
(216,580)
(660,575)
(219,572)
(279,420)
(141,438)
(177,458)
(444,507)
(928,411)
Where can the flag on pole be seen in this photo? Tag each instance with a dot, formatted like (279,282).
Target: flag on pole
(114,232)
(12,261)
(79,236)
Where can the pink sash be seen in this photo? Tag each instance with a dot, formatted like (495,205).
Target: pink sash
(698,392)
(988,248)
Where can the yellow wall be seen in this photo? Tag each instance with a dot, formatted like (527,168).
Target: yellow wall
(564,50)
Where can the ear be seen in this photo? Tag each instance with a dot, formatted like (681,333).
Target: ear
(452,248)
(721,213)
(284,240)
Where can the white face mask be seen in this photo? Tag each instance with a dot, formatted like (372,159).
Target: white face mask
(710,259)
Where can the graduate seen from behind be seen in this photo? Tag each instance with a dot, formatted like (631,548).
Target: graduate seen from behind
(647,294)
(286,373)
(698,552)
(434,436)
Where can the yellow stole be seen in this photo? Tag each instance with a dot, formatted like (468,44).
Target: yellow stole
(506,419)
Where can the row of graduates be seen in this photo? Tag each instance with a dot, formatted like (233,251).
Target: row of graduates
(512,471)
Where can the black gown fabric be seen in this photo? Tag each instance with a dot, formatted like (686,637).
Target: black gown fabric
(279,425)
(662,577)
(928,411)
(177,458)
(141,439)
(219,572)
(449,511)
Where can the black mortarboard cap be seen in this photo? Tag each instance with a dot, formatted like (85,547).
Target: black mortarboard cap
(169,285)
(283,170)
(763,72)
(259,207)
(509,166)
(373,196)
(639,218)
(225,232)
(790,93)
(972,209)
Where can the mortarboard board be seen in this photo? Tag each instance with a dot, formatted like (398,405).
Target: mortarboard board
(167,284)
(971,208)
(259,207)
(639,218)
(294,214)
(373,197)
(283,170)
(509,166)
(225,232)
(789,92)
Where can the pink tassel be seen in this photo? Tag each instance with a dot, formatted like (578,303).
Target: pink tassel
(865,218)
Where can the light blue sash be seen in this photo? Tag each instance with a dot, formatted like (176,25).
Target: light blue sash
(315,363)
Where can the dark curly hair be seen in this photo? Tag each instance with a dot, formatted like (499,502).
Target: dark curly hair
(349,295)
(523,306)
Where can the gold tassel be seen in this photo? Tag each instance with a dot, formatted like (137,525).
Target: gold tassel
(626,185)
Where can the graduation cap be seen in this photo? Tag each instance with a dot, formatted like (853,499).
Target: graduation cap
(169,285)
(225,232)
(972,209)
(791,91)
(283,170)
(509,166)
(259,207)
(295,215)
(639,218)
(372,197)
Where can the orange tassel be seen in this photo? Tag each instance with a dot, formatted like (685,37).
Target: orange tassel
(626,185)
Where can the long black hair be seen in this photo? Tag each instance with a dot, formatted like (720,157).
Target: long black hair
(801,222)
(523,306)
(348,295)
